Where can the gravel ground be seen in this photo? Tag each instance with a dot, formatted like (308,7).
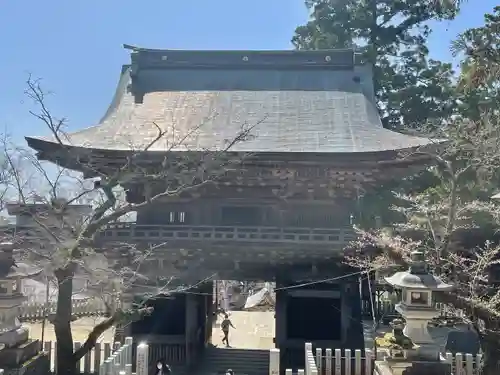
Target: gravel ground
(80,329)
(254,330)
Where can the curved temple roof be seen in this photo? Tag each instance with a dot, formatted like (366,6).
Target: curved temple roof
(297,101)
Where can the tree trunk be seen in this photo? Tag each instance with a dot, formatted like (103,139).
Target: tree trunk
(373,48)
(489,345)
(491,359)
(62,322)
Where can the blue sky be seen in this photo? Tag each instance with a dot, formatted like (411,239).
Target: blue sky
(76,46)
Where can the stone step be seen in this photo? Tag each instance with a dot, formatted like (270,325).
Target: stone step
(176,370)
(230,352)
(241,361)
(236,370)
(238,361)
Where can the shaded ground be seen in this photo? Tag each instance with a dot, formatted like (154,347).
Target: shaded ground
(80,329)
(254,330)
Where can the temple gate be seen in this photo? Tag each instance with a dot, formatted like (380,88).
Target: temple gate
(283,212)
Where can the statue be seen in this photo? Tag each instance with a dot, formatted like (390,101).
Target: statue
(396,341)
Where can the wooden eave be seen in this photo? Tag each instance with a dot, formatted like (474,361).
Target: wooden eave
(95,162)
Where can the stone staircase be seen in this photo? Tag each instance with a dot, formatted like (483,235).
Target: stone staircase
(177,370)
(242,361)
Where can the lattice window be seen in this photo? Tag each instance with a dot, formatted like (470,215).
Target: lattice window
(176,217)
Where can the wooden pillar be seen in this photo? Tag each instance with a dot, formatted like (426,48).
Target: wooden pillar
(210,317)
(346,311)
(280,316)
(280,321)
(190,331)
(206,310)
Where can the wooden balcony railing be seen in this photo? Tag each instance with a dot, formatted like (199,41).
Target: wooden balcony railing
(134,232)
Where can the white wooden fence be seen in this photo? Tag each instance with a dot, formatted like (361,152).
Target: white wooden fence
(336,362)
(106,359)
(464,364)
(37,311)
(91,362)
(310,361)
(120,362)
(343,362)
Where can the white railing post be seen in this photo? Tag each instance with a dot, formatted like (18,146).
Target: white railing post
(123,356)
(368,361)
(459,364)
(307,349)
(338,362)
(479,363)
(108,367)
(469,364)
(142,359)
(357,362)
(100,360)
(311,368)
(463,364)
(129,342)
(288,371)
(274,362)
(347,361)
(319,359)
(328,362)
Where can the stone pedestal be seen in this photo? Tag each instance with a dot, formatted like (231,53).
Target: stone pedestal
(18,354)
(14,355)
(416,328)
(11,338)
(38,365)
(25,359)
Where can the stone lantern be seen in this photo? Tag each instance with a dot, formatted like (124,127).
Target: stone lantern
(17,351)
(417,307)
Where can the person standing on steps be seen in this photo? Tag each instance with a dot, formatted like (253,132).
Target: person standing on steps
(162,368)
(226,323)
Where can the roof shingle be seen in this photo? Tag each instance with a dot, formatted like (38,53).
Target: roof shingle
(295,107)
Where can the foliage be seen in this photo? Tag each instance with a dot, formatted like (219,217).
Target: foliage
(66,212)
(480,47)
(453,219)
(455,223)
(410,88)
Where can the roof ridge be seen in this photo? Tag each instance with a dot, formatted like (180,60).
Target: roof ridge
(281,51)
(326,59)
